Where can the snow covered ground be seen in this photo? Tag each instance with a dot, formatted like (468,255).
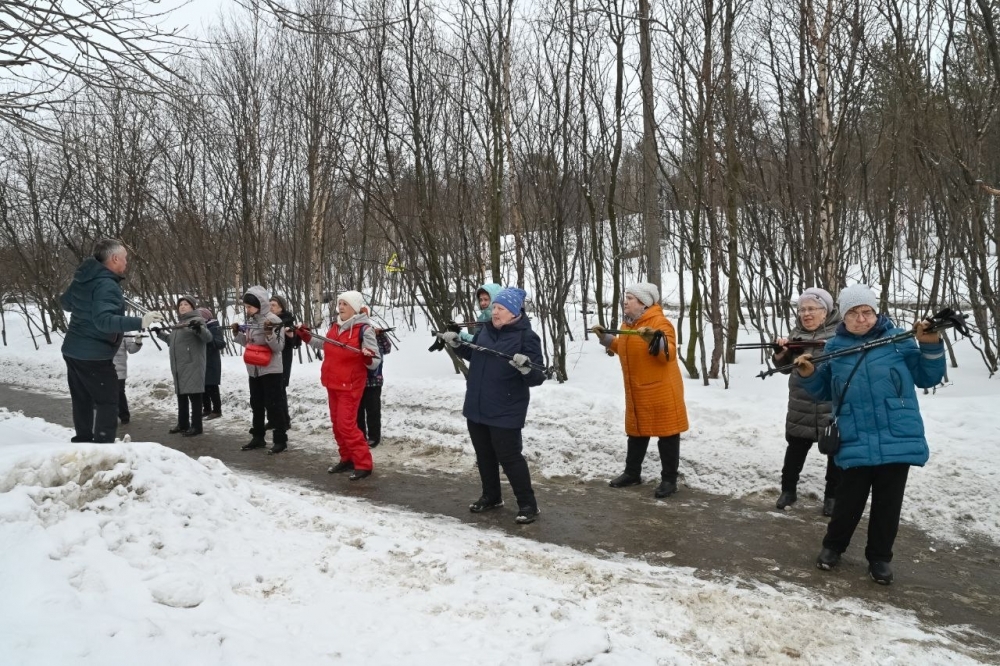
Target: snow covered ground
(576,430)
(135,553)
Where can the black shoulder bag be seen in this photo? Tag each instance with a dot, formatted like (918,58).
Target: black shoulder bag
(829,439)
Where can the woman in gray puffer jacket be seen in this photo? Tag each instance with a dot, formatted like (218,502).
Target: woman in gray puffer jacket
(817,319)
(187,342)
(267,389)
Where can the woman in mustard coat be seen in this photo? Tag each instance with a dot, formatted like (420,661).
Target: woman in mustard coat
(654,391)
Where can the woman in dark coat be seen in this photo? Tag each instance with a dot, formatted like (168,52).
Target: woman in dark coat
(279,307)
(496,400)
(187,343)
(211,399)
(818,319)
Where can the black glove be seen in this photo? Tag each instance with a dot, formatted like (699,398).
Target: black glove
(236,327)
(195,326)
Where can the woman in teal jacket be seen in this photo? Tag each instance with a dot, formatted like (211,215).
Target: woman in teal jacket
(881,431)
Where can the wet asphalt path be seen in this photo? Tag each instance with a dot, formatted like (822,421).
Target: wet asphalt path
(721,537)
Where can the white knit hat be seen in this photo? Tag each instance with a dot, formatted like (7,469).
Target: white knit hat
(855,295)
(354,299)
(645,292)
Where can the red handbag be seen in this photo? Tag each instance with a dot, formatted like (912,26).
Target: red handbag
(259,355)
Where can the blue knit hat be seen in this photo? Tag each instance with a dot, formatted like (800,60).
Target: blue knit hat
(511,298)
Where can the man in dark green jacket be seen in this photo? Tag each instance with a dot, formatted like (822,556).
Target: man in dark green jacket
(97,322)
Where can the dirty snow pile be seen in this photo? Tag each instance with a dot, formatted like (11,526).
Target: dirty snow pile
(136,554)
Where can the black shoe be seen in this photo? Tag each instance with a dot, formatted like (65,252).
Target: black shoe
(665,489)
(880,572)
(125,419)
(276,449)
(786,499)
(827,559)
(212,415)
(81,439)
(372,443)
(624,480)
(255,443)
(828,504)
(359,474)
(191,432)
(177,428)
(342,466)
(526,514)
(485,504)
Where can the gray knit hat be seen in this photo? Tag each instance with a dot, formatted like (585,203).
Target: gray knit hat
(855,295)
(821,296)
(645,292)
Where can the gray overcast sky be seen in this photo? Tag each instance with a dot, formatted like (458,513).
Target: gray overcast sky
(195,14)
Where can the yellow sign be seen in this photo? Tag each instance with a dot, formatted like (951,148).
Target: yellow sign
(393,265)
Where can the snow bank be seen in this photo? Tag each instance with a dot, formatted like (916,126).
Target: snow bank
(135,553)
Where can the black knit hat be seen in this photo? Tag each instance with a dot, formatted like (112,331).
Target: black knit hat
(250,299)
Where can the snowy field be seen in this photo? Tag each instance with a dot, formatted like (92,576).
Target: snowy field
(136,554)
(576,430)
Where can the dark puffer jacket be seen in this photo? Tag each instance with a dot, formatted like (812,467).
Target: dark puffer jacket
(806,416)
(97,308)
(497,394)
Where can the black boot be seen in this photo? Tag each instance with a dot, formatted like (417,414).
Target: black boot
(665,489)
(178,428)
(880,572)
(359,474)
(786,499)
(256,442)
(827,559)
(484,503)
(191,432)
(342,466)
(625,479)
(276,449)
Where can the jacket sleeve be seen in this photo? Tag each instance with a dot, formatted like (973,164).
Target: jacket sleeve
(818,383)
(218,340)
(163,335)
(106,303)
(277,340)
(926,362)
(205,334)
(464,352)
(532,348)
(369,341)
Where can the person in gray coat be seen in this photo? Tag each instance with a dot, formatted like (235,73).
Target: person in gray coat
(187,341)
(263,338)
(817,319)
(131,343)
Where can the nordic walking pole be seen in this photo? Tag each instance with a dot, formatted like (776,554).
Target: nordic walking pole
(945,319)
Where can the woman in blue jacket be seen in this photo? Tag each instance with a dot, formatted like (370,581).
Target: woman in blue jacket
(881,431)
(496,400)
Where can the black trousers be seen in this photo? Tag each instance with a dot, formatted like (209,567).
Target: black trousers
(93,388)
(268,402)
(795,459)
(370,413)
(211,401)
(123,412)
(189,417)
(670,456)
(886,483)
(501,447)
